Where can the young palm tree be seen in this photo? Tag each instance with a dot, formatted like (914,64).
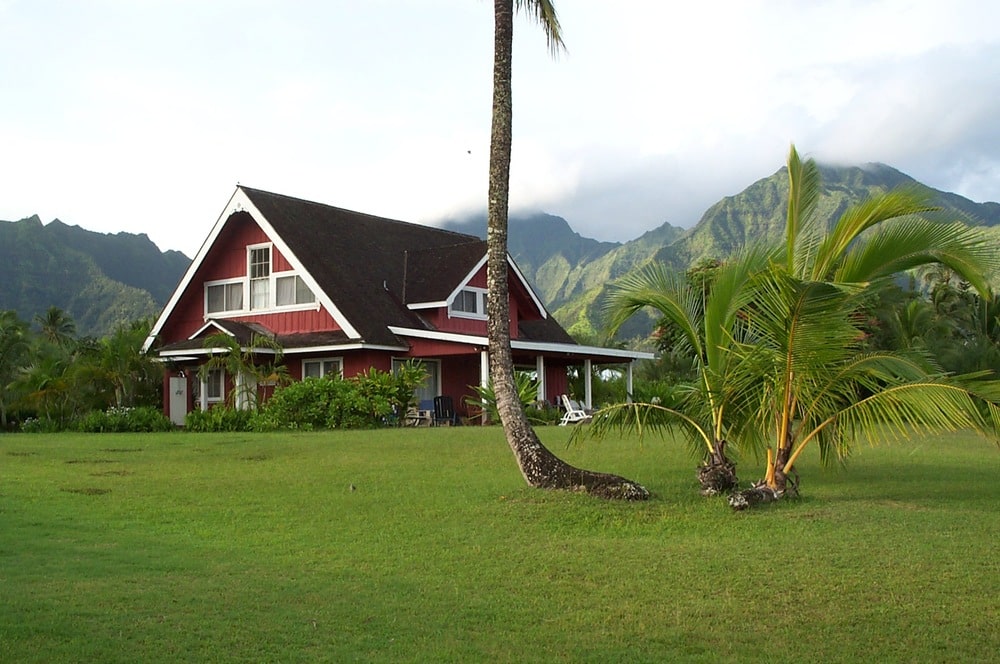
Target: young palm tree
(796,368)
(705,318)
(241,363)
(538,465)
(817,382)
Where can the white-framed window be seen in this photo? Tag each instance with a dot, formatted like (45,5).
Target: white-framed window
(259,269)
(261,289)
(290,290)
(329,366)
(469,303)
(215,385)
(223,296)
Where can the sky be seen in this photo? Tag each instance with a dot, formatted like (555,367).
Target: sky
(143,115)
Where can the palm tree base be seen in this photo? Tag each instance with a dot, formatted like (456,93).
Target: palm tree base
(761,494)
(717,477)
(544,470)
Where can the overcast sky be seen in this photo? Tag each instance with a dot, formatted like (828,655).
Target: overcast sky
(143,115)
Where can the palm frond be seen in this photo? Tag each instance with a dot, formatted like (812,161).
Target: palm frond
(641,419)
(859,218)
(804,187)
(544,13)
(908,243)
(661,289)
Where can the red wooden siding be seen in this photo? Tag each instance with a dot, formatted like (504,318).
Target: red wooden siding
(227,259)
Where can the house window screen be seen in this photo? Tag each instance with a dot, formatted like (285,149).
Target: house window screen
(260,277)
(214,385)
(292,290)
(224,297)
(468,301)
(321,368)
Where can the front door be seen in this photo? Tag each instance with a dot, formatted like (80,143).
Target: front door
(178,399)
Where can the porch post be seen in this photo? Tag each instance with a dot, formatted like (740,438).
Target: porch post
(203,394)
(540,370)
(588,388)
(484,376)
(484,368)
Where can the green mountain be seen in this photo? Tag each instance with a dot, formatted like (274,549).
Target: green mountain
(563,266)
(101,280)
(572,273)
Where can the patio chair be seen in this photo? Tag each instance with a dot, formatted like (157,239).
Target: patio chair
(444,411)
(574,412)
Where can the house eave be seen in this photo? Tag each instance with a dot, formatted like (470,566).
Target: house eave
(519,344)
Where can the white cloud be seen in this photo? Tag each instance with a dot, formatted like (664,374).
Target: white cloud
(146,116)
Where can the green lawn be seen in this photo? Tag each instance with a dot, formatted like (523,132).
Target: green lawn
(239,547)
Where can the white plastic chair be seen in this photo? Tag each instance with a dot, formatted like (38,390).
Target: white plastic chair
(574,412)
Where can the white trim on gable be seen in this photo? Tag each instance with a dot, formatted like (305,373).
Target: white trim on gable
(464,283)
(240,202)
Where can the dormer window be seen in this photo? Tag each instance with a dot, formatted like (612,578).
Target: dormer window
(469,303)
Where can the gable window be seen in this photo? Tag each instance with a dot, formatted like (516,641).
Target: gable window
(332,367)
(222,297)
(260,277)
(470,303)
(292,290)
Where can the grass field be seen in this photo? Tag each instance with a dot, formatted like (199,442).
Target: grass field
(254,548)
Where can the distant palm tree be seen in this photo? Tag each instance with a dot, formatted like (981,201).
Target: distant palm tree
(538,465)
(56,326)
(13,352)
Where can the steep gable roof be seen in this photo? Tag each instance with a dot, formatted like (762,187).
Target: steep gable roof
(357,259)
(364,269)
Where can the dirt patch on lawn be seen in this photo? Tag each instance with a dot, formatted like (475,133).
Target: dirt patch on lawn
(87,491)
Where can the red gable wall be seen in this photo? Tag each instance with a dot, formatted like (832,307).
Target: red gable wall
(227,259)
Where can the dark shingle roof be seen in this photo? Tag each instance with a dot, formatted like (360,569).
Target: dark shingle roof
(370,267)
(357,259)
(432,274)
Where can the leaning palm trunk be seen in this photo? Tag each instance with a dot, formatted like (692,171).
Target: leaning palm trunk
(538,465)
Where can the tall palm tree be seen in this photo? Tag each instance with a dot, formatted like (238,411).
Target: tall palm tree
(538,465)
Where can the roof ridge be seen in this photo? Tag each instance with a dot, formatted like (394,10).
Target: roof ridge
(251,190)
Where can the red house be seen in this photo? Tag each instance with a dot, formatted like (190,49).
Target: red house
(343,291)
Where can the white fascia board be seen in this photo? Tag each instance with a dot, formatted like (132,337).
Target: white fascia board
(233,205)
(239,202)
(527,287)
(465,282)
(190,353)
(428,305)
(207,325)
(540,346)
(343,347)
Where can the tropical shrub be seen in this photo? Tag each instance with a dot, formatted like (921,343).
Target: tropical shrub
(219,418)
(124,420)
